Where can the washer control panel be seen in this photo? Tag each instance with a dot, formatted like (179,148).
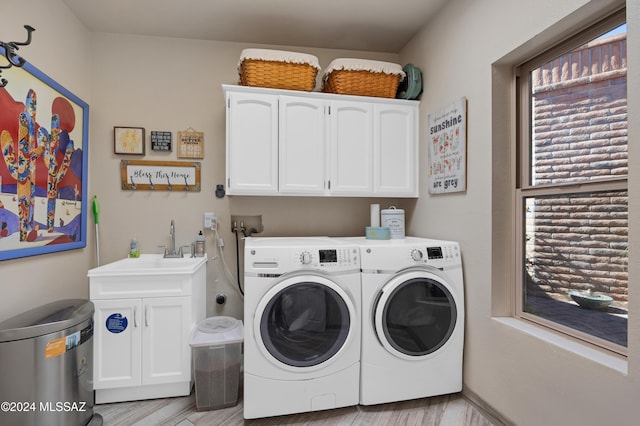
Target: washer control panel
(329,258)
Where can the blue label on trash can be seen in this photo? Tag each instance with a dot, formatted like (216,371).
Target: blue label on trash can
(116,323)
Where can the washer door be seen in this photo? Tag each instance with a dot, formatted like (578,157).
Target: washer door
(415,314)
(304,321)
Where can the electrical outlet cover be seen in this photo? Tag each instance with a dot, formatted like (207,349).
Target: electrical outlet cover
(209,220)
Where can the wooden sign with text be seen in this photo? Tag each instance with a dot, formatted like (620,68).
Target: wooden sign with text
(160,175)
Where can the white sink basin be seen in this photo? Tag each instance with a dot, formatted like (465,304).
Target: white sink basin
(149,264)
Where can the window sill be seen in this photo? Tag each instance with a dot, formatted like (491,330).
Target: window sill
(605,359)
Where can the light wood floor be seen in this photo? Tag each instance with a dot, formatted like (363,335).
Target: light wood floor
(446,410)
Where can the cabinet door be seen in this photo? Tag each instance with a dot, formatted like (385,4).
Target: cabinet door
(117,343)
(252,144)
(395,150)
(302,146)
(166,328)
(351,150)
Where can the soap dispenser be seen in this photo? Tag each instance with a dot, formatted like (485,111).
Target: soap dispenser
(200,245)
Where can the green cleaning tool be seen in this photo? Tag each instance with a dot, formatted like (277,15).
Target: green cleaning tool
(96,212)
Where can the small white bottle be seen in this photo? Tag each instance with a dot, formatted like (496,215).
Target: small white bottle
(200,245)
(134,248)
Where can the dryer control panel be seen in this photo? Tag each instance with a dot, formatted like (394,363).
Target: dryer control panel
(438,256)
(383,256)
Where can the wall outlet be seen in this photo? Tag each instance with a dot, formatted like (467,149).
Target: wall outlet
(210,221)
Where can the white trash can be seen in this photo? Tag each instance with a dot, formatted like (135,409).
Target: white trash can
(216,348)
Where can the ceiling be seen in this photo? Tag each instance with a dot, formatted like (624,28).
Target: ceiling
(370,25)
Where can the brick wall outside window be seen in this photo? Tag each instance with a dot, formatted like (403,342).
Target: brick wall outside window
(580,133)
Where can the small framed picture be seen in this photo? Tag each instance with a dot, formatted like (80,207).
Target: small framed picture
(128,140)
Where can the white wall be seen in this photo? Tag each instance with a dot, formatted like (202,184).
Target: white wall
(60,48)
(526,379)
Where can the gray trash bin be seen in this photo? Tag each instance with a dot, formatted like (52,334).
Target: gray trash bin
(46,366)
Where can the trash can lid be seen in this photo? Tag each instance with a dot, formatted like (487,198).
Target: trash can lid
(217,324)
(217,330)
(50,318)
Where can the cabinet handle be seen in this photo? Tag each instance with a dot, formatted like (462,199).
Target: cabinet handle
(135,316)
(146,315)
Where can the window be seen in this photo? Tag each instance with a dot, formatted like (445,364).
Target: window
(571,190)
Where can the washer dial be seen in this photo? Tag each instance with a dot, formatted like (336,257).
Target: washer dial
(305,257)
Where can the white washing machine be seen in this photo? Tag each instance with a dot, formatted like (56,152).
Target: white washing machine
(412,319)
(302,325)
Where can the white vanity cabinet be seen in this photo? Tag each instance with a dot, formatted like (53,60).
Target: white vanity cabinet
(316,144)
(142,329)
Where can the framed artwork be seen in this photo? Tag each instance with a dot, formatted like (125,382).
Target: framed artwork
(43,165)
(128,140)
(190,144)
(448,148)
(160,141)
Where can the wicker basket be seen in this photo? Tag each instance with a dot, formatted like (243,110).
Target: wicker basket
(278,69)
(362,82)
(277,75)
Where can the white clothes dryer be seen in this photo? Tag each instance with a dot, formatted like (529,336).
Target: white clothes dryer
(412,319)
(302,325)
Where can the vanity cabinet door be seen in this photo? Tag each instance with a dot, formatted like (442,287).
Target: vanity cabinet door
(166,324)
(302,146)
(252,144)
(141,341)
(395,150)
(351,148)
(117,343)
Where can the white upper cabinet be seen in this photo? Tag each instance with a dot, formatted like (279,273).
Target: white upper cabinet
(301,146)
(395,151)
(283,142)
(252,144)
(351,147)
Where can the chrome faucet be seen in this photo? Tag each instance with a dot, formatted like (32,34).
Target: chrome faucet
(172,232)
(171,251)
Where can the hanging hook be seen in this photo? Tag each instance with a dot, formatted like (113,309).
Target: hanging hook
(151,185)
(169,186)
(133,184)
(10,54)
(186,184)
(29,29)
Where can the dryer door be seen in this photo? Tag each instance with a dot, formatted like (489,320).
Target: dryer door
(415,314)
(304,321)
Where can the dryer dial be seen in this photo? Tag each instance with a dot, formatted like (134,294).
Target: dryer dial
(416,255)
(305,258)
